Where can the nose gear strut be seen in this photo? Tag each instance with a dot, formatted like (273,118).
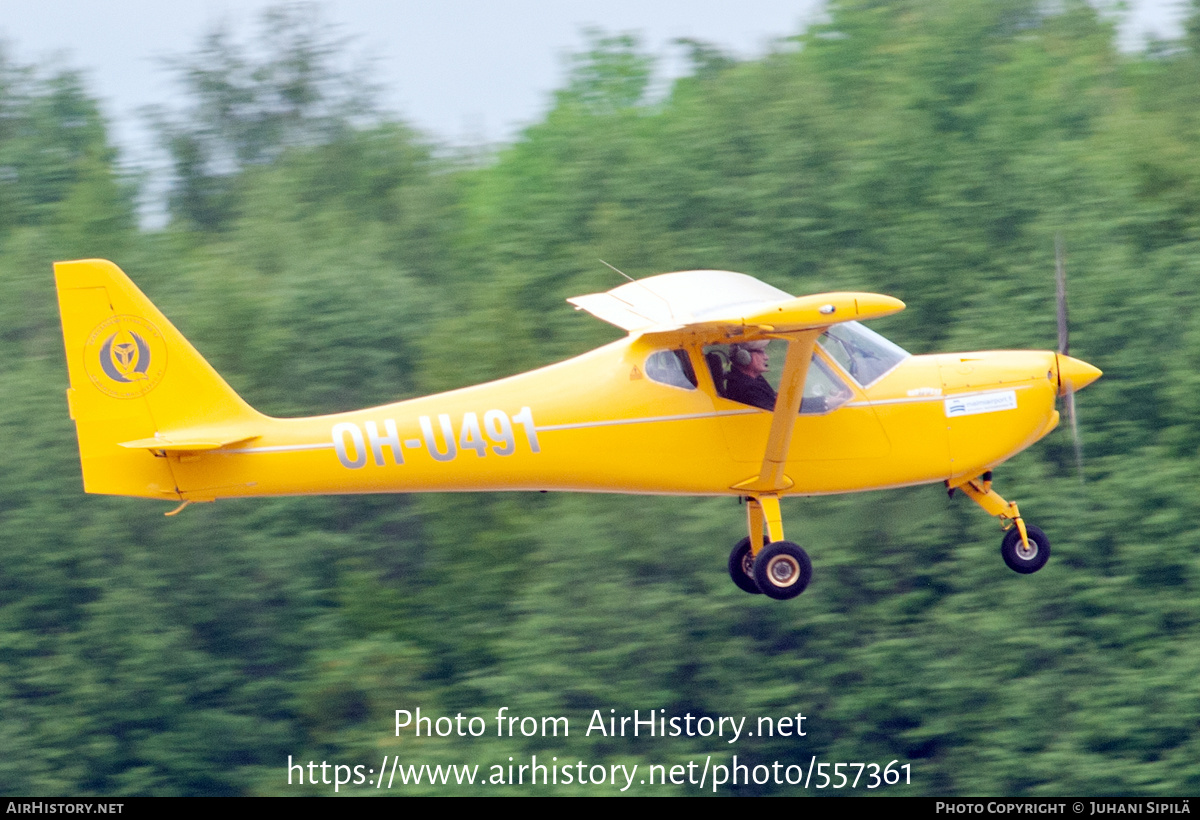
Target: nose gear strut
(1025,548)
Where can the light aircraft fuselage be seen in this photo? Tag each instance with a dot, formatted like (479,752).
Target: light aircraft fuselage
(645,414)
(528,432)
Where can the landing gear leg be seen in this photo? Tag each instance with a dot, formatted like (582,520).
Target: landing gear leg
(1025,548)
(763,511)
(767,563)
(741,559)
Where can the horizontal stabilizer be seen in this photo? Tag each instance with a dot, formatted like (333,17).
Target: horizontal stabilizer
(183,443)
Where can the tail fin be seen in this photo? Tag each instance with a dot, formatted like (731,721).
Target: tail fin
(139,390)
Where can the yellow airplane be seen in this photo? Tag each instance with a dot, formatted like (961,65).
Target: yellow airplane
(650,413)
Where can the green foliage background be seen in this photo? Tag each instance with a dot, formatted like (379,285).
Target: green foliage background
(324,257)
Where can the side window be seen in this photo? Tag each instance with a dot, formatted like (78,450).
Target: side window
(824,392)
(673,367)
(824,389)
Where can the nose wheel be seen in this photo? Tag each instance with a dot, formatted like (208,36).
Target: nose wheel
(1025,548)
(1025,558)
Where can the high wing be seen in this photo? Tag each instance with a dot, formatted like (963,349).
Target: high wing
(720,307)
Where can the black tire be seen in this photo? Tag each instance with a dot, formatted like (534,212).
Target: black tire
(1018,559)
(782,570)
(741,567)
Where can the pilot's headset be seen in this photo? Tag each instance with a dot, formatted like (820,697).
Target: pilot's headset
(741,353)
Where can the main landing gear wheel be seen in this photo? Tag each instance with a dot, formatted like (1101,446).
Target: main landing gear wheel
(782,570)
(741,567)
(1020,559)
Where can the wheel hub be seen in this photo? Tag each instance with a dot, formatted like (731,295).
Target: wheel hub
(784,571)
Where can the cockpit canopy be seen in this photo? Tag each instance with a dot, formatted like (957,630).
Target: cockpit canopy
(853,351)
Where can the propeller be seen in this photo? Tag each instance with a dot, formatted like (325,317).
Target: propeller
(1064,350)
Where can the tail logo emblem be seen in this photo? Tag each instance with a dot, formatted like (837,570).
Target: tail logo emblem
(125,357)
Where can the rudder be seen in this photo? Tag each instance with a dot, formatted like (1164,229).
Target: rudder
(137,382)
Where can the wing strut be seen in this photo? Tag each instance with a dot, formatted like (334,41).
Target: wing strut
(770,478)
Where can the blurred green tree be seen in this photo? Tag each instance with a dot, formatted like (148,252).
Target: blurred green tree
(927,149)
(246,104)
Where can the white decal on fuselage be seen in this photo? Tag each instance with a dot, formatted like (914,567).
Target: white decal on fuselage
(495,435)
(981,403)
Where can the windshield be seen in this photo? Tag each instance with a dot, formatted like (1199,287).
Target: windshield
(861,352)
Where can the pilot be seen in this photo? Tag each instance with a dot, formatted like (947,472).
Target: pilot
(745,382)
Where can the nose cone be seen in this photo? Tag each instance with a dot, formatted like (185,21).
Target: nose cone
(1074,374)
